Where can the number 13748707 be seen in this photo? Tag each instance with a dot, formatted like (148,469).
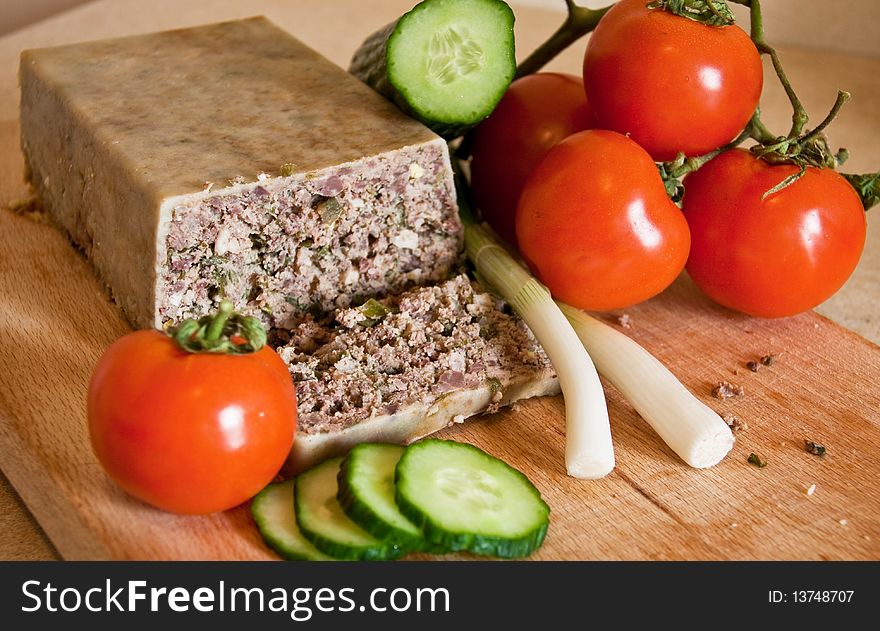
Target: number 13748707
(811,596)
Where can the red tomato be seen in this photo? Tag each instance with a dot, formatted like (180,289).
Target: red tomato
(777,256)
(670,83)
(596,226)
(535,113)
(190,432)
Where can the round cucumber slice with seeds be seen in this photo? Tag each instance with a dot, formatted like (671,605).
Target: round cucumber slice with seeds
(323,522)
(465,499)
(452,60)
(445,62)
(366,494)
(272,509)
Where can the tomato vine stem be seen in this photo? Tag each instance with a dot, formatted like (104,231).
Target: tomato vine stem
(842,97)
(801,148)
(672,172)
(579,21)
(799,117)
(798,147)
(758,130)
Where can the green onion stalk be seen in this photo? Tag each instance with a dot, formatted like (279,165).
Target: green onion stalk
(690,427)
(589,453)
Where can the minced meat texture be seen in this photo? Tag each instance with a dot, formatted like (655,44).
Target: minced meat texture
(429,342)
(317,242)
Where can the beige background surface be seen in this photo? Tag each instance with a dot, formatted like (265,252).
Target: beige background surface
(816,74)
(17,14)
(845,25)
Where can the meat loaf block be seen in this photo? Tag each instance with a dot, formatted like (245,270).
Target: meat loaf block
(231,160)
(406,366)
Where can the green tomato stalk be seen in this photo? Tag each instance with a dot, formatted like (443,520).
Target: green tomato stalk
(225,332)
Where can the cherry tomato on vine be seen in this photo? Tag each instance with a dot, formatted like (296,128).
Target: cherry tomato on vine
(190,432)
(596,226)
(773,256)
(535,113)
(672,84)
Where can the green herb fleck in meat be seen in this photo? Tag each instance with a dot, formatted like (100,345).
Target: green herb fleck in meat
(373,311)
(329,209)
(296,302)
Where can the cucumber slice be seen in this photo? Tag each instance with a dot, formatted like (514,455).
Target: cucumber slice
(272,509)
(445,62)
(323,523)
(366,494)
(465,499)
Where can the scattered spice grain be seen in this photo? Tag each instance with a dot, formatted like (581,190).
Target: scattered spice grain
(814,448)
(757,460)
(726,390)
(734,423)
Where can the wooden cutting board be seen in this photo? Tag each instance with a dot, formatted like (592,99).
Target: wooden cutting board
(55,321)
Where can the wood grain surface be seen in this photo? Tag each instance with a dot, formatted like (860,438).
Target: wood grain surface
(55,320)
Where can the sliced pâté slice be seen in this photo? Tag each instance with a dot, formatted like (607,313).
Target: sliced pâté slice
(400,368)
